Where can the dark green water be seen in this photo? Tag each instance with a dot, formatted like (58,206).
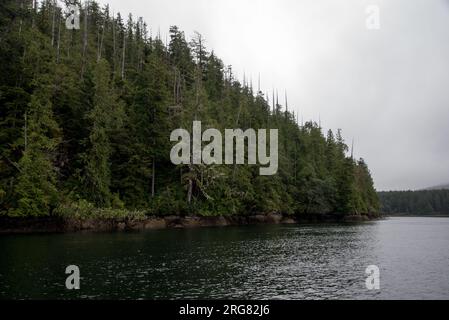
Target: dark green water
(260,262)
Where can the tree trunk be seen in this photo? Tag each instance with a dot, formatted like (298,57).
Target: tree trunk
(114,50)
(153,173)
(26,131)
(53,24)
(175,89)
(236,126)
(85,39)
(190,191)
(21,20)
(33,13)
(59,39)
(123,55)
(100,47)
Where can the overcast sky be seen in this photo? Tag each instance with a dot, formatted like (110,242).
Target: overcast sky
(388,88)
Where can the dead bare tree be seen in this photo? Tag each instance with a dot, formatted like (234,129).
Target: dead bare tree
(86,14)
(21,20)
(53,22)
(114,45)
(123,55)
(59,38)
(34,2)
(153,178)
(100,45)
(25,133)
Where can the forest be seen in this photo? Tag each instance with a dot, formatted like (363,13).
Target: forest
(86,116)
(422,202)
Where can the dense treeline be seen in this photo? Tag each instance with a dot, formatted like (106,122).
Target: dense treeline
(86,116)
(421,202)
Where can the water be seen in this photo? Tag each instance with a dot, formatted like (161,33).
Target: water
(258,262)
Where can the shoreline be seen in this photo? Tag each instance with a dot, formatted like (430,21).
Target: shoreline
(432,215)
(69,225)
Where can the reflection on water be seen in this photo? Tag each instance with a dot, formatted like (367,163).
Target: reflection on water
(260,262)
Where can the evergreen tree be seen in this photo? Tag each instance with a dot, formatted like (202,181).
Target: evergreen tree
(36,191)
(105,117)
(86,116)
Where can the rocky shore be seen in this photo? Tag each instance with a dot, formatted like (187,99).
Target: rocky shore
(60,225)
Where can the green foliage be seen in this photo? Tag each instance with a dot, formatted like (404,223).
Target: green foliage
(88,113)
(86,210)
(423,202)
(36,192)
(105,118)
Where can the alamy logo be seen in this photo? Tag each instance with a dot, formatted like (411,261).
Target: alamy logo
(73,280)
(72,21)
(373,17)
(191,151)
(373,280)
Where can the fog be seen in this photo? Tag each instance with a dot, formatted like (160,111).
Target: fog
(388,89)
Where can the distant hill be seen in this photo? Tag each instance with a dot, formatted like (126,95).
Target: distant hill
(440,187)
(422,202)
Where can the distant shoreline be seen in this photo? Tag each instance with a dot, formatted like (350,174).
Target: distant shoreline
(421,203)
(68,225)
(430,215)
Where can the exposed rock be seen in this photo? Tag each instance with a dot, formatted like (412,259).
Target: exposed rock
(154,224)
(355,218)
(87,224)
(191,222)
(57,224)
(273,218)
(220,221)
(173,221)
(257,219)
(288,221)
(121,226)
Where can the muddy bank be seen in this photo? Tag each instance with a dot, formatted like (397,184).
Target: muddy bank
(60,225)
